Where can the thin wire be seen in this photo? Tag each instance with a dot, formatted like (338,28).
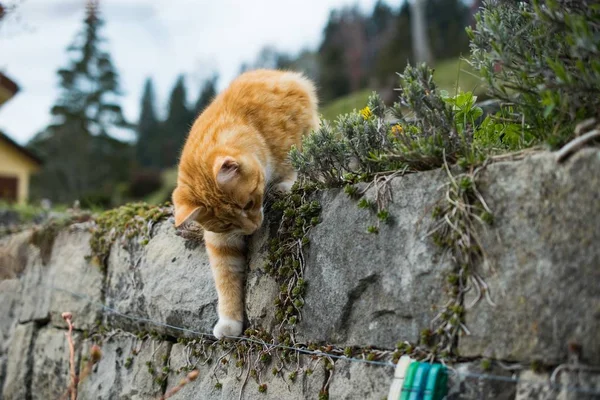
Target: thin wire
(322,354)
(247,339)
(509,379)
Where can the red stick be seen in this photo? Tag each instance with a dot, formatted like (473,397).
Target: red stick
(67,316)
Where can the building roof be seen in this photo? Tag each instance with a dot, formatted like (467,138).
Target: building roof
(20,149)
(8,84)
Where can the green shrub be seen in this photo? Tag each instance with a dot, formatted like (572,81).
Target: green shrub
(360,144)
(543,57)
(427,133)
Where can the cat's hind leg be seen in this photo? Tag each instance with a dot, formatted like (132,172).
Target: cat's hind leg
(285,185)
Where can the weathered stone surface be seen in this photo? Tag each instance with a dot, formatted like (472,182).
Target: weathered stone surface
(374,289)
(354,381)
(168,281)
(35,281)
(69,270)
(232,378)
(14,251)
(468,383)
(261,291)
(17,383)
(3,361)
(579,383)
(20,272)
(261,288)
(534,386)
(114,377)
(545,256)
(50,377)
(10,307)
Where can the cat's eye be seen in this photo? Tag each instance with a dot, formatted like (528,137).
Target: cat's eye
(249,205)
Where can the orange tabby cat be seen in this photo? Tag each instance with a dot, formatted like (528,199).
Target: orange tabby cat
(237,147)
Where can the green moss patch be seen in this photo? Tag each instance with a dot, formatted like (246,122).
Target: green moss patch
(129,222)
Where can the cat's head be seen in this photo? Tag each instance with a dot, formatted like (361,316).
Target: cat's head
(225,197)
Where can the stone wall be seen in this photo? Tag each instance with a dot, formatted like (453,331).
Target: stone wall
(363,290)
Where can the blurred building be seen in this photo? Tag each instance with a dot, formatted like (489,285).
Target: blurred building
(16,162)
(8,88)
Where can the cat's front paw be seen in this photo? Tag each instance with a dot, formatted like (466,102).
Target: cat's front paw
(227,327)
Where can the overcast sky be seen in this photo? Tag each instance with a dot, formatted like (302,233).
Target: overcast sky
(157,38)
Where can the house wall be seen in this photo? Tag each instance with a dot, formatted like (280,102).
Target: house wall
(14,164)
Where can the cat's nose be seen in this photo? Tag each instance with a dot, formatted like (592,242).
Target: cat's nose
(252,227)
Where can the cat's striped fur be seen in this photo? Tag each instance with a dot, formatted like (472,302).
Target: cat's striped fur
(237,147)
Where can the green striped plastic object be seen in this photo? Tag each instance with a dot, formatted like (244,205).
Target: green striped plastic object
(420,382)
(437,383)
(408,380)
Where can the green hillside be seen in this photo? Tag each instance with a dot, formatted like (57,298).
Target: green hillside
(447,74)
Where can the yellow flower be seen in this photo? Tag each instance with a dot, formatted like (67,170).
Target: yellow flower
(397,130)
(366,112)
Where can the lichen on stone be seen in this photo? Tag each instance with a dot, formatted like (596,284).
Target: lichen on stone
(128,222)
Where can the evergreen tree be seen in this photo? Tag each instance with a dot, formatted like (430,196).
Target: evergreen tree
(207,94)
(446,20)
(334,80)
(397,51)
(380,29)
(177,125)
(148,130)
(82,160)
(381,19)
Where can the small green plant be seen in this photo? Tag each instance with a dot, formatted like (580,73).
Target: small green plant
(455,229)
(350,190)
(372,229)
(364,203)
(383,215)
(486,364)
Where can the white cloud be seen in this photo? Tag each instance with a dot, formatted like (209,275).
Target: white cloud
(157,38)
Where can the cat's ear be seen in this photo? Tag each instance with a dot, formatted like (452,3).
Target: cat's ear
(226,170)
(185,210)
(185,214)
